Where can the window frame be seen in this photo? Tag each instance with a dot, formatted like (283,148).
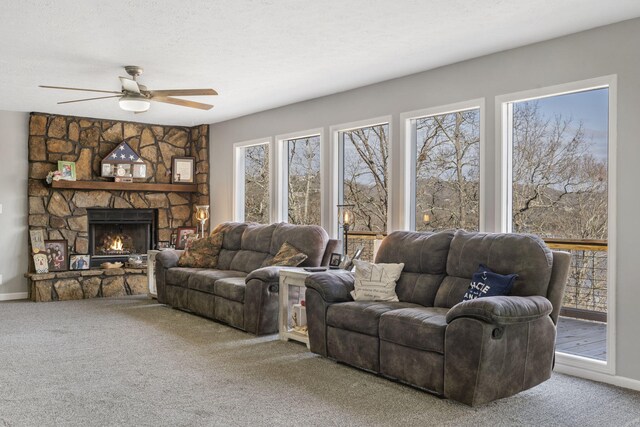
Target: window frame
(238,177)
(503,203)
(337,176)
(408,157)
(281,205)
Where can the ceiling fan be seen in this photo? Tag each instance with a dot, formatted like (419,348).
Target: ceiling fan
(136,97)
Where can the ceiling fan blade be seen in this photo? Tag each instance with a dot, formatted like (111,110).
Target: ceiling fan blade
(183,92)
(83,90)
(182,102)
(90,99)
(129,85)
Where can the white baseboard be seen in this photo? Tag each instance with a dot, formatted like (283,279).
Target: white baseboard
(598,376)
(15,295)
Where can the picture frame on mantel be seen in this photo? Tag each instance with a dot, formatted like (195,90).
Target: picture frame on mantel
(57,252)
(183,170)
(67,170)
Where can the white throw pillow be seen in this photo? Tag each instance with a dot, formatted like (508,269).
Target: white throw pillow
(376,282)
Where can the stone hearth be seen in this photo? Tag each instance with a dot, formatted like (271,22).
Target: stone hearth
(62,213)
(94,283)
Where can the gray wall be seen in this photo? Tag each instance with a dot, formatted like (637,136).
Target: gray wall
(13,197)
(599,52)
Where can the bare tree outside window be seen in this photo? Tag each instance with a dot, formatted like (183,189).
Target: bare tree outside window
(303,195)
(365,176)
(559,175)
(256,183)
(448,171)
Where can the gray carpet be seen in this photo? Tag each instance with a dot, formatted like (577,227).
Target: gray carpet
(130,361)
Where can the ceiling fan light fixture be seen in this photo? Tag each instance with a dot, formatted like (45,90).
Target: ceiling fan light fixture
(134,103)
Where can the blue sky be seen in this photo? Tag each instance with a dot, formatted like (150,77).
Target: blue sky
(590,107)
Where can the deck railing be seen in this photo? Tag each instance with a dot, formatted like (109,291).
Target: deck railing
(586,292)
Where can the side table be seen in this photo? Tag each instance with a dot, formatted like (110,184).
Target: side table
(291,292)
(151,273)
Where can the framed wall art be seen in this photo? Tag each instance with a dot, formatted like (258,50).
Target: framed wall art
(183,170)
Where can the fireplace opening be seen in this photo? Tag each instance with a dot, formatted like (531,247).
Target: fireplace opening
(115,234)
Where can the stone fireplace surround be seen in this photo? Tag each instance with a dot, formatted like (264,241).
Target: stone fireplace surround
(62,213)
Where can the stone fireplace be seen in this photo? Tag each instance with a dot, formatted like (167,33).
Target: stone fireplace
(116,234)
(77,215)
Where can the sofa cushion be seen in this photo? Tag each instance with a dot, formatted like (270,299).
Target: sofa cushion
(310,239)
(179,276)
(418,288)
(420,252)
(486,283)
(202,252)
(225,258)
(376,282)
(522,254)
(204,280)
(257,237)
(361,316)
(421,328)
(231,288)
(287,256)
(247,261)
(425,263)
(233,232)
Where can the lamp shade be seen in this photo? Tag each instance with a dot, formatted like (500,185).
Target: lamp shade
(134,103)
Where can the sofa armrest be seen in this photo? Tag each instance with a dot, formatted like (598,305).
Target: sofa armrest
(502,310)
(333,286)
(265,274)
(169,257)
(261,300)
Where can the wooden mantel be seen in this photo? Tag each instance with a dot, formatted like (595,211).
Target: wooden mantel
(125,186)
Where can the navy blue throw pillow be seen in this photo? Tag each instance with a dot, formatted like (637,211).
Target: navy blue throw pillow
(486,283)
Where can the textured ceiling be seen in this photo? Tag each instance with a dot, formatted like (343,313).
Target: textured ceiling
(258,54)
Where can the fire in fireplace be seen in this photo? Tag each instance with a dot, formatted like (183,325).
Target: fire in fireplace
(114,234)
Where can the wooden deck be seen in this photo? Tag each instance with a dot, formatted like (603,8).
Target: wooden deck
(582,338)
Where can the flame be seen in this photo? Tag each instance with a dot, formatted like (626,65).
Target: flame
(117,244)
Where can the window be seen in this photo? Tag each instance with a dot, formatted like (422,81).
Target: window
(252,182)
(559,165)
(364,175)
(446,174)
(559,190)
(303,180)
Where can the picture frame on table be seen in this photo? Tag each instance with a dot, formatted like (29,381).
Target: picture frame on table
(347,262)
(334,260)
(163,244)
(79,261)
(358,253)
(183,235)
(67,170)
(57,252)
(183,170)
